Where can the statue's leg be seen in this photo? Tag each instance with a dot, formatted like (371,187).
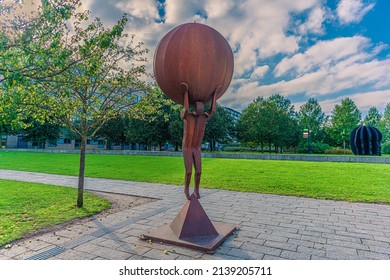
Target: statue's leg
(187,154)
(198,171)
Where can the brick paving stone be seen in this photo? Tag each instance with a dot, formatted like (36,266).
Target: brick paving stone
(281,245)
(245,255)
(104,252)
(299,242)
(75,255)
(347,244)
(338,255)
(262,249)
(354,234)
(373,255)
(295,255)
(379,249)
(272,257)
(336,249)
(311,251)
(160,255)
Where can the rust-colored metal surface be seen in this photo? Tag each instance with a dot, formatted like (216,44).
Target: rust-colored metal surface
(193,65)
(195,54)
(194,124)
(192,228)
(192,221)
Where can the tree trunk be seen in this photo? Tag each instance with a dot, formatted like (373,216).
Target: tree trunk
(80,187)
(83,144)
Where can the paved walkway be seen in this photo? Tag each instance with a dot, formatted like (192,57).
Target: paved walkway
(271,226)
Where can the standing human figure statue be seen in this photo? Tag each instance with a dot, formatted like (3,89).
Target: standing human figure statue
(194,124)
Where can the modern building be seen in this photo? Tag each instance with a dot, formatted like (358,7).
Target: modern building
(235,114)
(16,142)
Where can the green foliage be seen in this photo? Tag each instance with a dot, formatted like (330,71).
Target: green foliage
(269,122)
(147,133)
(113,131)
(235,148)
(384,124)
(149,120)
(175,127)
(315,147)
(220,128)
(29,207)
(40,132)
(311,116)
(373,117)
(345,118)
(80,79)
(386,148)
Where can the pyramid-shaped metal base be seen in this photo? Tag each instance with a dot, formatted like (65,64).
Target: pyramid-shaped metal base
(192,228)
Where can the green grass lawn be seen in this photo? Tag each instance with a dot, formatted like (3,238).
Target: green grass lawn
(28,207)
(329,180)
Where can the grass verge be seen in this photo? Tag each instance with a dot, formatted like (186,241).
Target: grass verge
(28,207)
(365,182)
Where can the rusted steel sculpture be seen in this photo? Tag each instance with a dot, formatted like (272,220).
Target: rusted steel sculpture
(197,55)
(193,65)
(366,140)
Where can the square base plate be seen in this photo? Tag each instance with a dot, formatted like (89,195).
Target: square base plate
(207,243)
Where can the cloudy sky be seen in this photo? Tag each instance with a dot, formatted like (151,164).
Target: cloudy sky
(326,49)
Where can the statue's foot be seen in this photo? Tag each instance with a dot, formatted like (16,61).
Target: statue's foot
(196,193)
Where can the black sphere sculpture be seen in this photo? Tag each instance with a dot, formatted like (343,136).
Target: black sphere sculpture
(366,140)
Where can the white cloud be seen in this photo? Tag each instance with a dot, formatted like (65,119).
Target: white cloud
(259,72)
(322,54)
(363,100)
(314,23)
(352,11)
(260,29)
(218,8)
(145,9)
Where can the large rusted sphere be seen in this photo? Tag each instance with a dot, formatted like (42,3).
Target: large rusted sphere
(196,54)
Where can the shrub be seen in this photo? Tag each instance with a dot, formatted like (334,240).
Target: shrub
(315,147)
(236,148)
(386,148)
(339,151)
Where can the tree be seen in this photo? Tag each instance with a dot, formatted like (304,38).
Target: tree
(57,66)
(96,87)
(310,116)
(113,131)
(32,50)
(220,128)
(41,133)
(175,127)
(384,124)
(149,119)
(32,45)
(91,75)
(373,117)
(288,132)
(344,119)
(249,128)
(269,122)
